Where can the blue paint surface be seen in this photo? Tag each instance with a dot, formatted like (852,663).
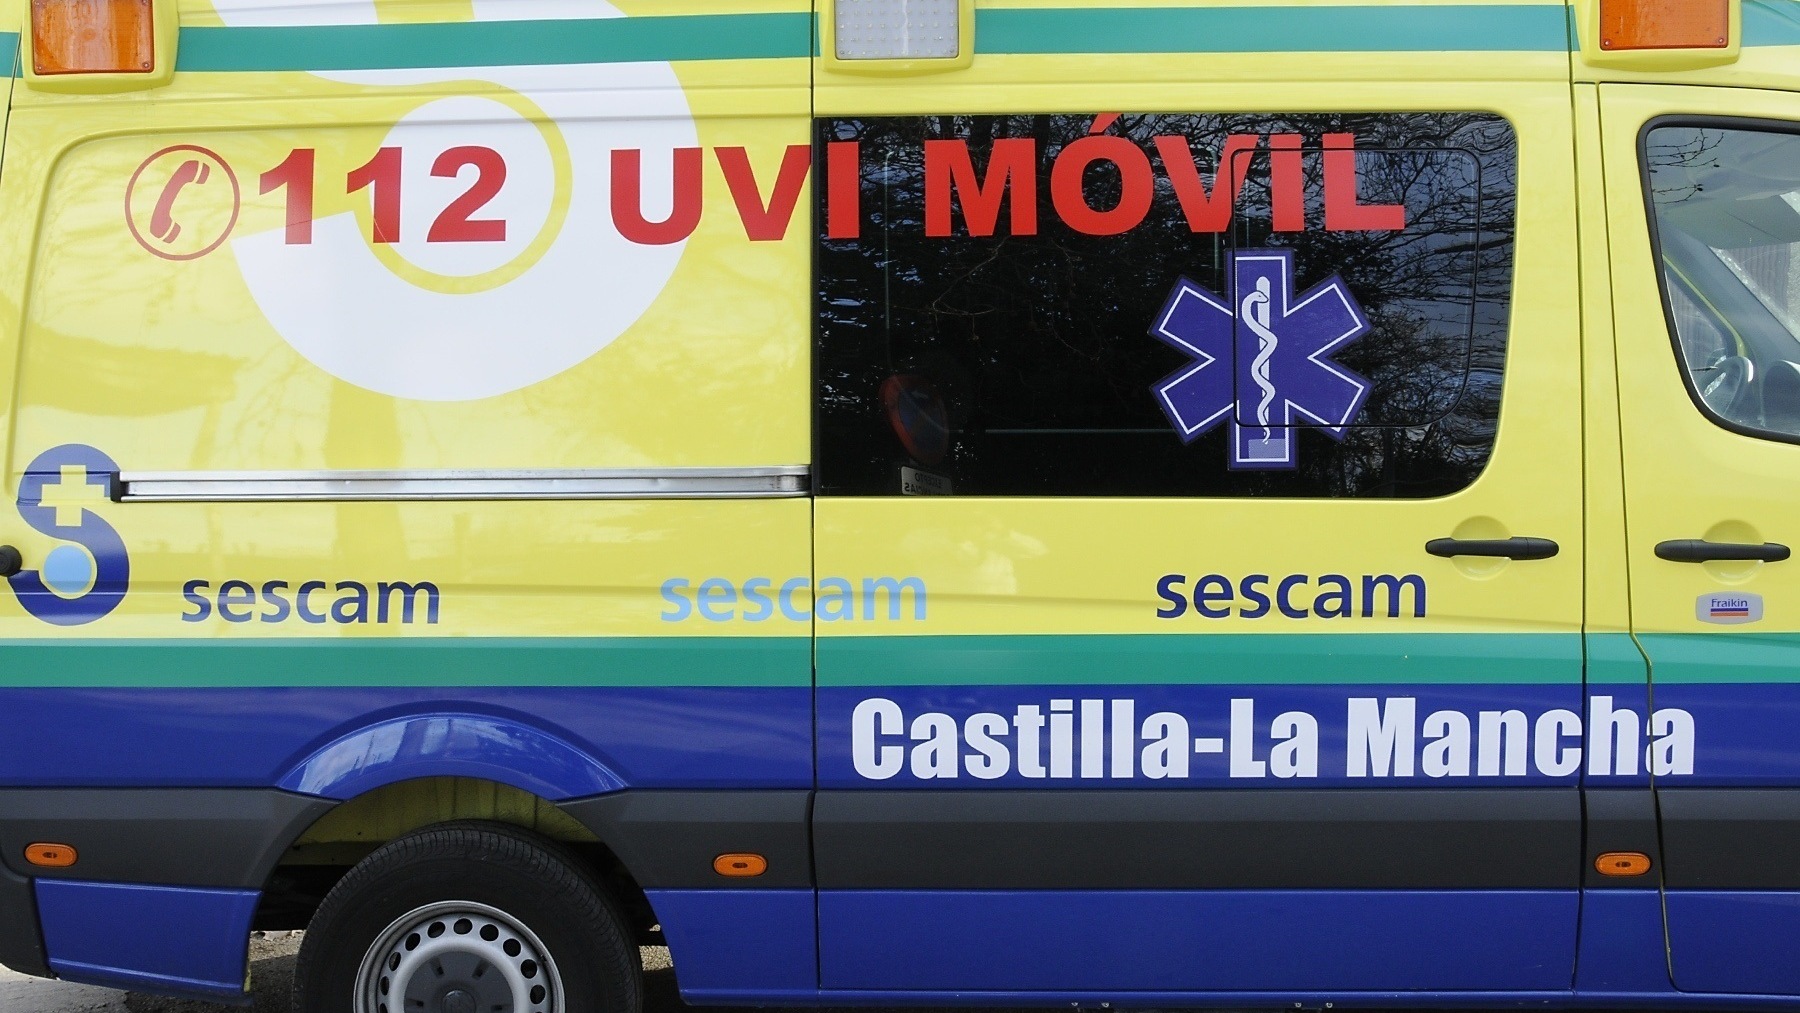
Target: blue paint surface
(466,745)
(760,940)
(1744,732)
(679,737)
(173,940)
(1622,947)
(1735,940)
(1133,940)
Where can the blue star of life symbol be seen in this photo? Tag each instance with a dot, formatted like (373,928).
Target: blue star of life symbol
(1262,358)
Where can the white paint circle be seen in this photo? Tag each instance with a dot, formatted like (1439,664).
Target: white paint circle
(425,136)
(349,314)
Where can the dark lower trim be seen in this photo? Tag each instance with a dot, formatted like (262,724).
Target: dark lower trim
(21,941)
(1731,838)
(668,839)
(1621,819)
(1245,839)
(221,837)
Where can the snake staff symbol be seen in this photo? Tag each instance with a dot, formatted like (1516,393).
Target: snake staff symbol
(1267,365)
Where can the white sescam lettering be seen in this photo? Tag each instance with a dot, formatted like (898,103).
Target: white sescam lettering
(1383,738)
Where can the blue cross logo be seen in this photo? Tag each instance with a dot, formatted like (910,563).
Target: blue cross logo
(1261,358)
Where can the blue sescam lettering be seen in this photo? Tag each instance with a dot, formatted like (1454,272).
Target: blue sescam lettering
(839,599)
(1296,596)
(346,602)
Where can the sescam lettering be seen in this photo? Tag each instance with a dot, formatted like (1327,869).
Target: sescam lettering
(1296,596)
(719,599)
(346,602)
(1379,738)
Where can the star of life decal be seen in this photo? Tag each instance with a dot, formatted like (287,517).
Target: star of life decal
(1280,346)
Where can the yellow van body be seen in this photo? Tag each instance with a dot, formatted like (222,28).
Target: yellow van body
(424,411)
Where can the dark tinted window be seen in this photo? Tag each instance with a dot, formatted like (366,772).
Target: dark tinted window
(1065,305)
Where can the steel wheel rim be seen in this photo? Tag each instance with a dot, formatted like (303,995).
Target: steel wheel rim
(458,956)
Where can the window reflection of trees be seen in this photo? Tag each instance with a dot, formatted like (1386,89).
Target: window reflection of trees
(1039,342)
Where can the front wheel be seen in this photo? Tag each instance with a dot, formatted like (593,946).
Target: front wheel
(467,918)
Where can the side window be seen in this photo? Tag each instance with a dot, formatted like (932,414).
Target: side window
(1162,304)
(1726,204)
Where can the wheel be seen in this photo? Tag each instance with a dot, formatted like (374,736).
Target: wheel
(467,918)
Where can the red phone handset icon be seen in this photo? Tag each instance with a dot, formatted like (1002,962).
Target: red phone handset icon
(162,221)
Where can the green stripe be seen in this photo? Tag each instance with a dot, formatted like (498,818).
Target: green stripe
(1614,659)
(1050,659)
(1771,23)
(1201,659)
(1722,657)
(1272,29)
(497,43)
(443,661)
(1508,27)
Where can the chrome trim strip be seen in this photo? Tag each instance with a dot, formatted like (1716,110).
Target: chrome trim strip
(345,486)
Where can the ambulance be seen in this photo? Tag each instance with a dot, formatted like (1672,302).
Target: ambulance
(904,502)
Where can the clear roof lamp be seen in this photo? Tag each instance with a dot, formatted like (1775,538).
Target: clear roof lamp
(897,29)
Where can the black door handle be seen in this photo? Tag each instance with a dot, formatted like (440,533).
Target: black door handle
(1699,550)
(1511,548)
(10,561)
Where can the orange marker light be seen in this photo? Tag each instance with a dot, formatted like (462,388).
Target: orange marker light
(1664,24)
(740,865)
(50,856)
(1622,863)
(92,36)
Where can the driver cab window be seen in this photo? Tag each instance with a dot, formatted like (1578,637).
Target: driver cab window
(1726,203)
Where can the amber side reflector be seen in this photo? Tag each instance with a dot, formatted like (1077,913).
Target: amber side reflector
(1664,24)
(92,36)
(50,856)
(1622,863)
(740,865)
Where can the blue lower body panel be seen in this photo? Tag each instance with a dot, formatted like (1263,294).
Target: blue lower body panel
(651,737)
(1735,940)
(1622,945)
(1192,940)
(761,941)
(171,940)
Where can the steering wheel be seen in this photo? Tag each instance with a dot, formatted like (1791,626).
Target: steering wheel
(1726,386)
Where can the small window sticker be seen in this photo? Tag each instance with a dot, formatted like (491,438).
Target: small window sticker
(914,482)
(1729,609)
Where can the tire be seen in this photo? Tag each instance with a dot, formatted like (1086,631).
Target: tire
(467,917)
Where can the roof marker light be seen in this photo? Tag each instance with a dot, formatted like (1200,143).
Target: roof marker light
(1664,24)
(897,29)
(92,36)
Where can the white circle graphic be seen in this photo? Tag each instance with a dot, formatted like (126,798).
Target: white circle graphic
(348,313)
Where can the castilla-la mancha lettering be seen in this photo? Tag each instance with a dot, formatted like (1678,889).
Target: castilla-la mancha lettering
(1379,738)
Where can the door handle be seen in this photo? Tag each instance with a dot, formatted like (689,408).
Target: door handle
(1511,548)
(1699,550)
(10,561)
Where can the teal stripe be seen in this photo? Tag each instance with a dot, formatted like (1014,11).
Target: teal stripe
(497,43)
(1722,657)
(1273,29)
(1614,659)
(441,661)
(1536,27)
(1771,23)
(1202,659)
